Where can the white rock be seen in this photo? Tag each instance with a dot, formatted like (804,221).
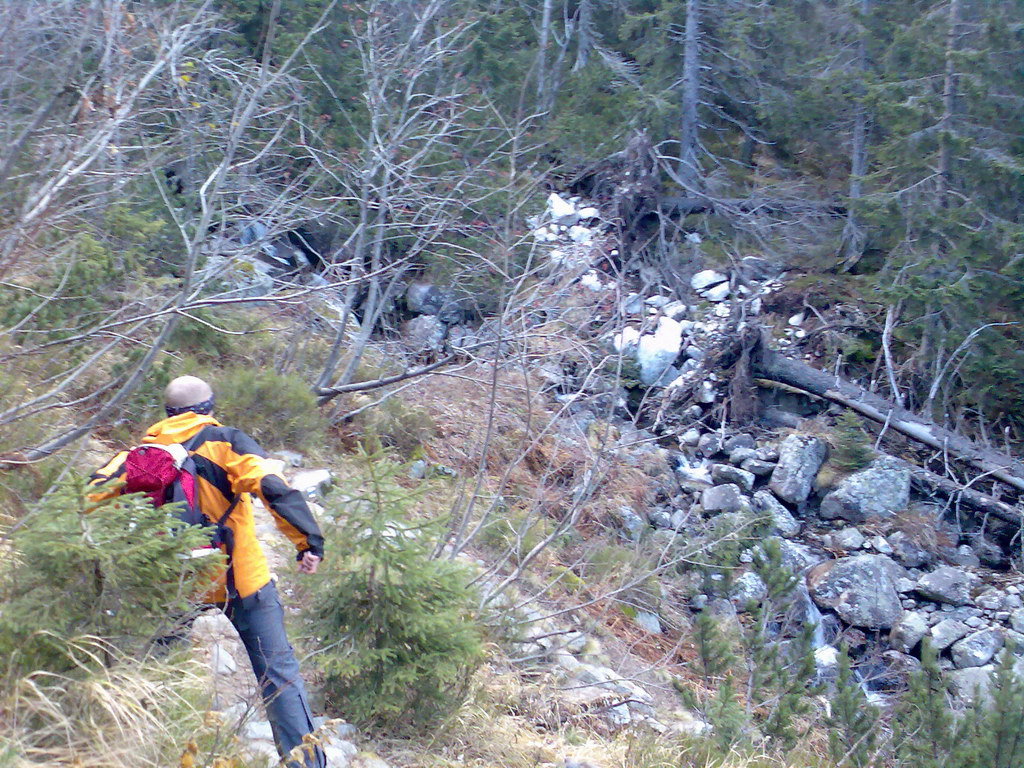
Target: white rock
(627,340)
(589,212)
(313,481)
(706,393)
(706,279)
(657,351)
(694,238)
(677,310)
(657,301)
(632,305)
(722,310)
(717,293)
(592,281)
(561,211)
(544,235)
(797,319)
(581,235)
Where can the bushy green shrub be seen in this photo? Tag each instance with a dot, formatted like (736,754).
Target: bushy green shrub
(113,570)
(396,425)
(276,410)
(398,640)
(850,448)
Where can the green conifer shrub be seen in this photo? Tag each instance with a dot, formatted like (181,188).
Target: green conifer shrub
(779,674)
(923,729)
(852,723)
(397,638)
(115,570)
(850,448)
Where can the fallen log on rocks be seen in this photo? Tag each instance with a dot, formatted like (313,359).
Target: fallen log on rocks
(771,365)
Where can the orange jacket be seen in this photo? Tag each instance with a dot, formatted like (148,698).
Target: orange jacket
(229,463)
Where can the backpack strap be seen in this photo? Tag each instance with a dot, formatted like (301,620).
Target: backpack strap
(224,535)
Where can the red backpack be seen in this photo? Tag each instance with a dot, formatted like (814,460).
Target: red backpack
(166,474)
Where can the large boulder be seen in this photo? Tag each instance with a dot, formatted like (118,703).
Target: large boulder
(861,589)
(878,491)
(947,585)
(800,458)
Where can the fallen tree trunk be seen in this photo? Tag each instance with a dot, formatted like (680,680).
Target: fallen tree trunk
(776,367)
(685,206)
(930,482)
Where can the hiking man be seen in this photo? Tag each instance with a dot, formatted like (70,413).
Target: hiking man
(229,467)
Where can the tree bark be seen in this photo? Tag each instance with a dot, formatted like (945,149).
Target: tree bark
(584,36)
(689,171)
(853,235)
(776,367)
(949,83)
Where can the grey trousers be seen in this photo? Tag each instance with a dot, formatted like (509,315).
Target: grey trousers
(259,619)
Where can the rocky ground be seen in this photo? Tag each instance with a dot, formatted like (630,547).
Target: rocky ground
(880,567)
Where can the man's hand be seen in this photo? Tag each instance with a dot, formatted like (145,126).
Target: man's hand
(308,562)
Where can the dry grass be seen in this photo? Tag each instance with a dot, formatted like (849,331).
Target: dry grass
(107,714)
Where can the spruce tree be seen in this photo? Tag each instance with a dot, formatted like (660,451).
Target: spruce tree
(852,723)
(923,727)
(397,633)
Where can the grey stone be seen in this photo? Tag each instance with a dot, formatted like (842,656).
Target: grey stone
(722,474)
(758,467)
(659,518)
(649,622)
(907,631)
(897,669)
(221,660)
(782,521)
(800,459)
(860,589)
(418,469)
(880,545)
(848,539)
(988,552)
(710,443)
(907,552)
(291,458)
(880,490)
(690,437)
(798,557)
(738,455)
(723,498)
(312,482)
(424,333)
(966,557)
(947,632)
(630,522)
(706,279)
(769,454)
(746,589)
(977,649)
(991,599)
(742,440)
(975,622)
(1017,620)
(947,585)
(971,683)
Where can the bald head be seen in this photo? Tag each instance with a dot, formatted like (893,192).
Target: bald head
(186,391)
